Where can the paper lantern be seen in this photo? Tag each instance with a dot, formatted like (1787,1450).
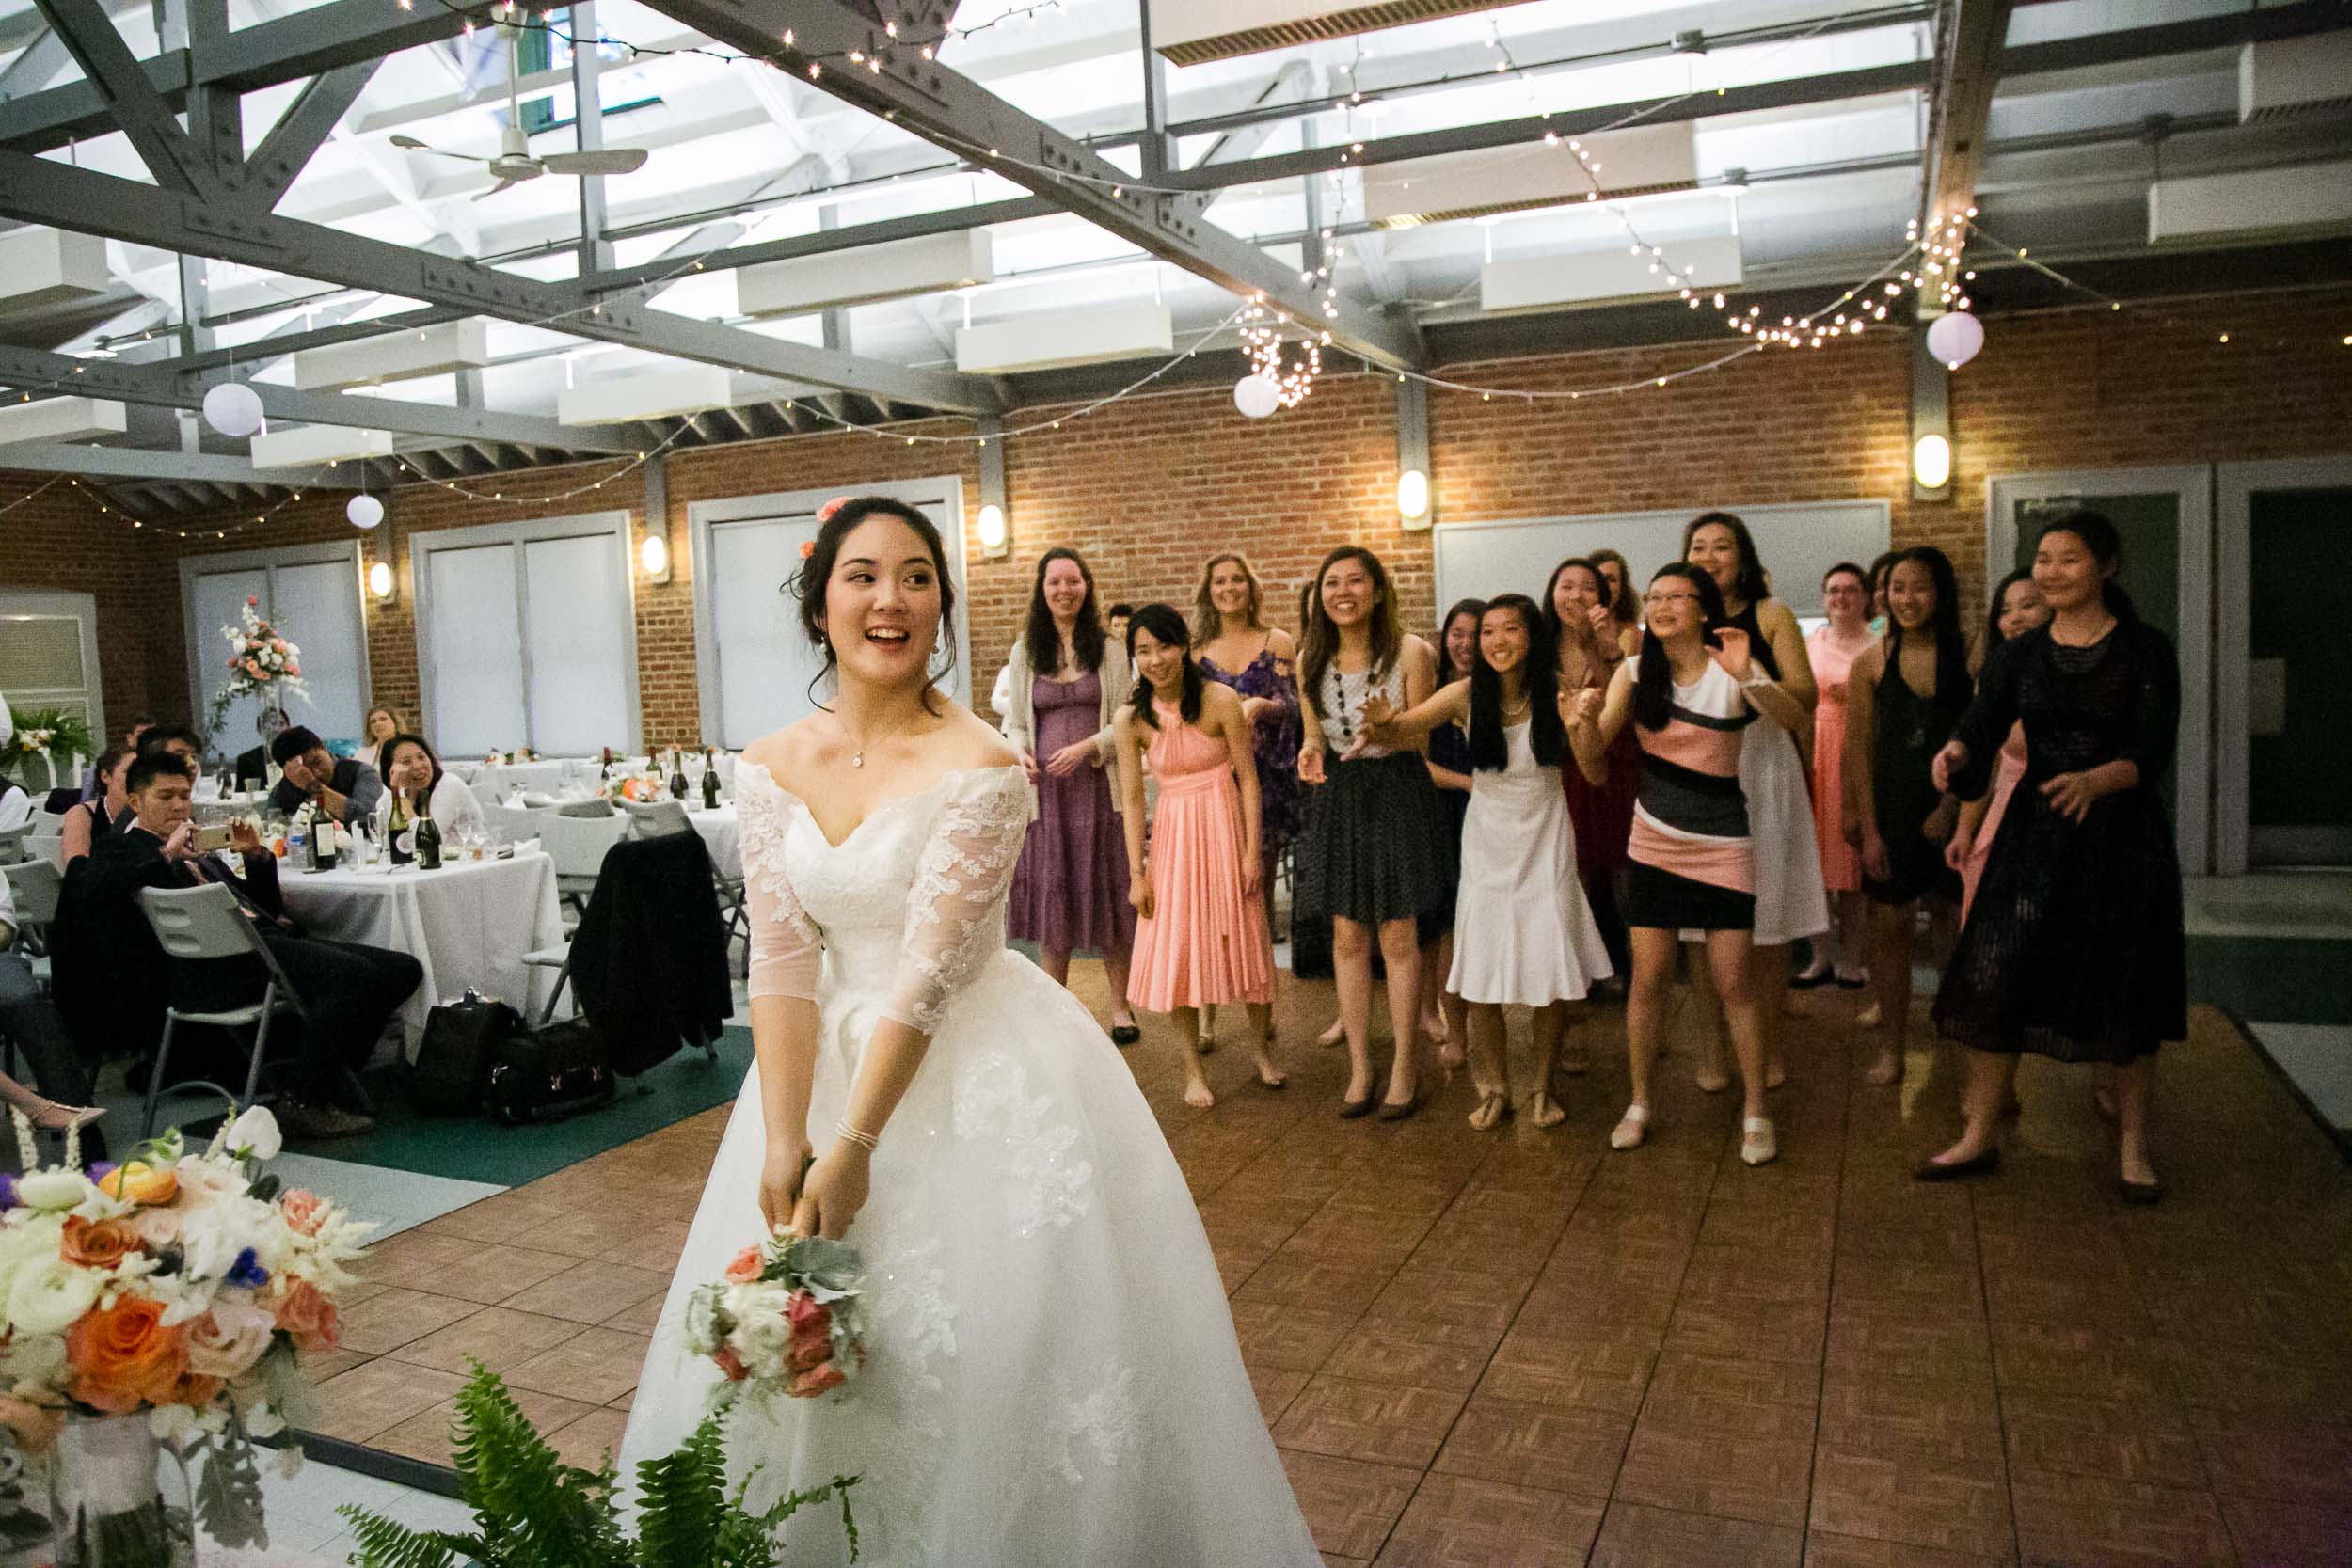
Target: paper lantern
(1256,396)
(364,511)
(233,408)
(1954,337)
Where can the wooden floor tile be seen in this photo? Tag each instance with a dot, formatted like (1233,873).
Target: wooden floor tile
(425,1435)
(1349,1505)
(2091,1362)
(1560,1448)
(1720,1473)
(595,1365)
(2280,1459)
(1605,1370)
(1462,1522)
(588,1439)
(2289,1535)
(1276,1387)
(1283,1334)
(1632,1536)
(496,1336)
(1737,1328)
(367,1400)
(1385,1423)
(1942,1425)
(1824,1550)
(1954,1508)
(1429,1354)
(589,1293)
(2138,1441)
(2090,1519)
(394,1317)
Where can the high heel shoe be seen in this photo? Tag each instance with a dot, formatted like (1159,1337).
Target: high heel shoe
(47,1116)
(1352,1109)
(1400,1109)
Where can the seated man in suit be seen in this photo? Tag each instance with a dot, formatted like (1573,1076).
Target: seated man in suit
(350,991)
(345,788)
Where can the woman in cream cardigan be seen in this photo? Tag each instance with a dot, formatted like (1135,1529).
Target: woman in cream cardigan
(1062,686)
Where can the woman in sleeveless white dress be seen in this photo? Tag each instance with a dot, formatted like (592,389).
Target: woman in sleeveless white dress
(1052,1376)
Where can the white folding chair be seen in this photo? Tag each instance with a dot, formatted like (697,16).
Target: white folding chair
(513,825)
(655,819)
(577,846)
(12,843)
(196,924)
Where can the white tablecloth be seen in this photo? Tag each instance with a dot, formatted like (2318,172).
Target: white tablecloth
(469,923)
(492,780)
(722,836)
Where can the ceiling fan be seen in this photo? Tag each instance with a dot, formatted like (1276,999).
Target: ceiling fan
(514,163)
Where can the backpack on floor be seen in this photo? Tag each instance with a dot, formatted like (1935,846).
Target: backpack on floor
(551,1073)
(461,1043)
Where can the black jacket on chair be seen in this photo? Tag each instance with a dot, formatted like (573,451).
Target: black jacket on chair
(649,961)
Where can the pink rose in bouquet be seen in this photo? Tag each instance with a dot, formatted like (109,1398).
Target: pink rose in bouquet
(788,1318)
(816,1380)
(746,1266)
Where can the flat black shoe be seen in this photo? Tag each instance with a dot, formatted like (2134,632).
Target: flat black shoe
(1957,1170)
(1125,1034)
(1351,1109)
(2140,1193)
(1801,981)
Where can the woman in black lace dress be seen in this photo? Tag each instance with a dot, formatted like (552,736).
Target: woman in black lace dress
(2072,948)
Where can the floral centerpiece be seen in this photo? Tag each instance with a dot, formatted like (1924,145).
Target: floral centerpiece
(262,663)
(160,1306)
(788,1318)
(47,733)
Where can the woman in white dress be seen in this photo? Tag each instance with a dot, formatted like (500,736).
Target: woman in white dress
(1053,1377)
(1522,933)
(413,773)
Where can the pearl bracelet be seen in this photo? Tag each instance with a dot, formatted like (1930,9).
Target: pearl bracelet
(864,1140)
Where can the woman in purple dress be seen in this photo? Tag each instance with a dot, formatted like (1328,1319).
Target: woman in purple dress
(1233,646)
(1064,684)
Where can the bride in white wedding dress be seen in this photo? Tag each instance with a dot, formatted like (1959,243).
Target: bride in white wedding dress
(1053,1377)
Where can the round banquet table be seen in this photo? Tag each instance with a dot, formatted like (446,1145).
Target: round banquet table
(492,782)
(469,923)
(722,836)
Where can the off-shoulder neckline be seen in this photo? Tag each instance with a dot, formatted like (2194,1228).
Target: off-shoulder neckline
(882,809)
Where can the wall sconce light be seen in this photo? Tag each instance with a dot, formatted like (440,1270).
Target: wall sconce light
(994,528)
(1412,495)
(1932,462)
(380,581)
(653,555)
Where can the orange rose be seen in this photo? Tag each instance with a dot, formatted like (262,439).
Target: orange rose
(138,1183)
(745,1266)
(305,1312)
(96,1244)
(122,1356)
(304,1210)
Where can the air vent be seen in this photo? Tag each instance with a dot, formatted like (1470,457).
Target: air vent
(2291,78)
(1192,32)
(1650,161)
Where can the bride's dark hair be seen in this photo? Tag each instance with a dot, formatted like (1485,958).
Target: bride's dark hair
(807,585)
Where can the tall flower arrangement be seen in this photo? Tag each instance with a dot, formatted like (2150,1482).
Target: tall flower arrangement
(262,663)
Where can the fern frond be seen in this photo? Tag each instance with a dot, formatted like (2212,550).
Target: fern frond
(387,1544)
(682,1502)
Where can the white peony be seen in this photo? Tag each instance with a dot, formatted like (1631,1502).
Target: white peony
(53,1188)
(51,1297)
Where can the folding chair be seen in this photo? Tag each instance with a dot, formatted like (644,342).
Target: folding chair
(12,844)
(34,887)
(196,924)
(577,845)
(655,818)
(669,817)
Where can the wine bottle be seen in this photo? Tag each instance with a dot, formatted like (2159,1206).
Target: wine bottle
(398,843)
(428,836)
(711,780)
(322,842)
(678,775)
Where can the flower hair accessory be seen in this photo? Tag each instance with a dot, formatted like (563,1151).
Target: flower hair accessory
(808,547)
(824,513)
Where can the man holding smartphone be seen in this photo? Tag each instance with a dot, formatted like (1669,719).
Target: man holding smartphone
(349,992)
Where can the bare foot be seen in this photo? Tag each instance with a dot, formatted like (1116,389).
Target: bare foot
(1433,1025)
(1712,1075)
(1493,1106)
(1197,1094)
(50,1117)
(1546,1112)
(1271,1076)
(1887,1070)
(1449,1054)
(1333,1036)
(2138,1171)
(1775,1073)
(1960,1153)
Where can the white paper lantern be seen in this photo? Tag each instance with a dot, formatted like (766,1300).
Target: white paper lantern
(1954,337)
(1256,396)
(364,511)
(233,408)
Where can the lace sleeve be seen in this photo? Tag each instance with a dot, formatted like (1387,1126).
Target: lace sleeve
(788,951)
(959,885)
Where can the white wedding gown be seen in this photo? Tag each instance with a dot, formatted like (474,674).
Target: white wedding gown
(1052,1376)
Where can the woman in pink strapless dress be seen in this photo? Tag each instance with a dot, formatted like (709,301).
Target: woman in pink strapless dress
(1202,936)
(1833,649)
(2017,608)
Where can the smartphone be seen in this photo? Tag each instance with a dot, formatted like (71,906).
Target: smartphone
(211,840)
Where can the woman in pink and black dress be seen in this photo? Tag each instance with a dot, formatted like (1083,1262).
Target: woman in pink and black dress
(1833,648)
(2017,608)
(1065,685)
(1582,621)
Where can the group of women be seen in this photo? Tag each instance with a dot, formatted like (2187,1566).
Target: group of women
(1569,792)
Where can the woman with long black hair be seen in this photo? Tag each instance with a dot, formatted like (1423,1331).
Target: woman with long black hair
(1904,697)
(1580,619)
(1791,899)
(2074,947)
(1443,1015)
(1523,934)
(1069,891)
(1375,856)
(1690,697)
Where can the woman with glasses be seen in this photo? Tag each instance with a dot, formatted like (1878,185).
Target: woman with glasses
(1691,696)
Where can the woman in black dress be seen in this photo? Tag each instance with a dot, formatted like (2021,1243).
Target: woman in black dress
(2074,948)
(1444,1017)
(1903,700)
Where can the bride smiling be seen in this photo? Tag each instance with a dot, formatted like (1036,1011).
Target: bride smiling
(1053,1374)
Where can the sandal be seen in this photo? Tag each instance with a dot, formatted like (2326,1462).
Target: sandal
(1548,1111)
(1494,1109)
(1632,1129)
(1757,1147)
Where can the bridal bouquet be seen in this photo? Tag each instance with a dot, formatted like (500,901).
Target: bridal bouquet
(788,1317)
(178,1287)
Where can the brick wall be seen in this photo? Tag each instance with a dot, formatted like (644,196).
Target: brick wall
(1148,488)
(58,541)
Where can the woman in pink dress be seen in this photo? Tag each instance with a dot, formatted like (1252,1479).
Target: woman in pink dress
(2017,608)
(1833,648)
(1200,937)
